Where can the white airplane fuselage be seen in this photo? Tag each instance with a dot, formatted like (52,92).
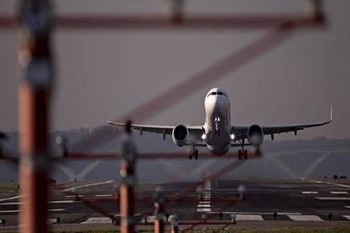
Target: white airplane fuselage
(217,124)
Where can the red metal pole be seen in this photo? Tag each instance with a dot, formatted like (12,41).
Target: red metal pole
(34,94)
(159,218)
(127,173)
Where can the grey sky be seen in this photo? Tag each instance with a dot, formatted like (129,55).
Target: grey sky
(103,74)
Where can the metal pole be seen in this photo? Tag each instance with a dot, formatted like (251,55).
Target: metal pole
(159,217)
(159,211)
(34,93)
(127,173)
(174,224)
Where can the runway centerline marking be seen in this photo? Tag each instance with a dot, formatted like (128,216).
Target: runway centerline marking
(304,217)
(10,198)
(346,216)
(88,185)
(339,192)
(103,195)
(204,205)
(333,198)
(93,220)
(17,211)
(249,217)
(309,192)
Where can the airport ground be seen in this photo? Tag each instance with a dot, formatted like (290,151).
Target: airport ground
(268,206)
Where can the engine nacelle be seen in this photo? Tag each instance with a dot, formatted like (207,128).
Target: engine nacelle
(255,135)
(180,135)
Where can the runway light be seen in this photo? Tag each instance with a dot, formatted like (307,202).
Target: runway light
(204,136)
(232,136)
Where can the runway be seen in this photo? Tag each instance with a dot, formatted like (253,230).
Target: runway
(295,203)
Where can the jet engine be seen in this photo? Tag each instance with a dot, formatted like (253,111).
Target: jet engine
(180,135)
(255,135)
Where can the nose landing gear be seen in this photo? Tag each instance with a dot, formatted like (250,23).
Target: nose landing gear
(193,154)
(242,154)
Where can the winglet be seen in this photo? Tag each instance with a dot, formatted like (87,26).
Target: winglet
(331,114)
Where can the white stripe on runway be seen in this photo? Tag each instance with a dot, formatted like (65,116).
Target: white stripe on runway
(203,209)
(309,192)
(103,195)
(50,202)
(88,185)
(97,220)
(304,217)
(339,192)
(10,198)
(346,216)
(11,203)
(256,213)
(347,206)
(249,217)
(203,205)
(333,198)
(17,211)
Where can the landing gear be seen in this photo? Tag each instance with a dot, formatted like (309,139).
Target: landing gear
(193,154)
(242,154)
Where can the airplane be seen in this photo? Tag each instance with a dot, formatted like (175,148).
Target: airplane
(217,133)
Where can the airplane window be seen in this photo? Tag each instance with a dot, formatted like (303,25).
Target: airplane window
(213,93)
(220,93)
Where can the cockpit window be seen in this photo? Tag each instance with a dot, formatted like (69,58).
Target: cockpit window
(216,93)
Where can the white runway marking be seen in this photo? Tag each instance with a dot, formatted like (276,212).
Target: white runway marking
(346,216)
(347,206)
(51,202)
(203,209)
(256,213)
(309,192)
(88,185)
(304,217)
(250,217)
(97,220)
(10,198)
(73,196)
(205,204)
(11,203)
(103,195)
(333,198)
(339,192)
(17,211)
(327,182)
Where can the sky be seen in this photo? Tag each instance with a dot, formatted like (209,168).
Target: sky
(104,74)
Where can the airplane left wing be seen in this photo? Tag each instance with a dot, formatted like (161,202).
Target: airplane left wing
(241,131)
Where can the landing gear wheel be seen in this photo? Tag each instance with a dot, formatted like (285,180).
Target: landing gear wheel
(239,154)
(196,154)
(245,154)
(190,155)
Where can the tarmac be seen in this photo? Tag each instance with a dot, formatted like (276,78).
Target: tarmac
(216,204)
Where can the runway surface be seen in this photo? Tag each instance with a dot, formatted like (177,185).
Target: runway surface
(295,203)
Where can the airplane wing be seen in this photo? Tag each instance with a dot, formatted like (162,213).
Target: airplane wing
(194,131)
(240,132)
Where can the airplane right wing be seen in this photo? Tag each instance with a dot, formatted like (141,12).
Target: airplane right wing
(194,131)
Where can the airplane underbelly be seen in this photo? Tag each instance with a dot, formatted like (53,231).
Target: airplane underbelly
(218,144)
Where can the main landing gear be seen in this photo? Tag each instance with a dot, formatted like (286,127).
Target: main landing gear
(242,154)
(193,154)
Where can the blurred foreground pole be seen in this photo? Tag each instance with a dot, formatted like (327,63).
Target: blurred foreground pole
(128,182)
(174,224)
(35,60)
(159,212)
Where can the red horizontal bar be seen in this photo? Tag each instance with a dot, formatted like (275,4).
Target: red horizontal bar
(139,22)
